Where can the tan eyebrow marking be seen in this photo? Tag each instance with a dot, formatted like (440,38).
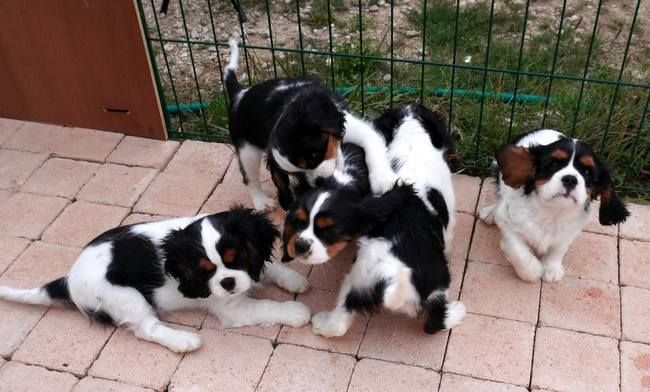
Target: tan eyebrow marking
(229,255)
(207,265)
(560,154)
(587,160)
(301,215)
(324,222)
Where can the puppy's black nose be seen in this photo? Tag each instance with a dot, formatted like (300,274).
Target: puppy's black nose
(569,182)
(302,246)
(228,283)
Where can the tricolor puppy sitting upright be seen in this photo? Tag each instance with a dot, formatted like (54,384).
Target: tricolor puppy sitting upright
(545,185)
(403,236)
(129,274)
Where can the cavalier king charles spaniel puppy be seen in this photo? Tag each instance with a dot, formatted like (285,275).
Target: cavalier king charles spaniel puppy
(130,274)
(300,124)
(403,236)
(545,185)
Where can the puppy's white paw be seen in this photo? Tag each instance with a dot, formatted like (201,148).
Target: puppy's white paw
(382,182)
(295,314)
(328,325)
(487,214)
(292,281)
(531,273)
(264,203)
(455,314)
(182,341)
(553,273)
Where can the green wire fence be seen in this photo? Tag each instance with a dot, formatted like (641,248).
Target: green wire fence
(494,68)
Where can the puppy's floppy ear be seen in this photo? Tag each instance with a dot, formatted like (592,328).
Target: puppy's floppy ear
(257,234)
(612,209)
(183,258)
(282,183)
(288,241)
(374,210)
(517,165)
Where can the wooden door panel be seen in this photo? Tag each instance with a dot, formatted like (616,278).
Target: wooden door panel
(79,63)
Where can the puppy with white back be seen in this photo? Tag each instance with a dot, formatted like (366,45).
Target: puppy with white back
(545,185)
(300,124)
(129,275)
(403,236)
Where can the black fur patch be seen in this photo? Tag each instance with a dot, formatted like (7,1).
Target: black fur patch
(366,300)
(436,312)
(58,289)
(136,262)
(438,202)
(99,316)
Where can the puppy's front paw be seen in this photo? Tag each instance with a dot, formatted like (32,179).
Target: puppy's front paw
(328,325)
(553,273)
(530,273)
(264,203)
(182,341)
(293,282)
(487,214)
(295,314)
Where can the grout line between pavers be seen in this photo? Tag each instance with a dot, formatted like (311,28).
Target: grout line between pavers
(12,133)
(47,368)
(214,188)
(2,272)
(465,264)
(354,367)
(484,379)
(363,336)
(99,353)
(40,235)
(535,329)
(47,158)
(10,357)
(268,362)
(171,156)
(395,362)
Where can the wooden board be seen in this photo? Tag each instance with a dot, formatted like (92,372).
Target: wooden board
(79,63)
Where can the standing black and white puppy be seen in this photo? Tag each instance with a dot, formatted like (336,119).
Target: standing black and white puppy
(129,274)
(301,124)
(545,185)
(403,236)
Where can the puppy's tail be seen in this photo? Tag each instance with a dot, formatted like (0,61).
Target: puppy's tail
(441,314)
(230,72)
(53,293)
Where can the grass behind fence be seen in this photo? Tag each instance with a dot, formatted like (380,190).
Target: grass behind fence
(480,65)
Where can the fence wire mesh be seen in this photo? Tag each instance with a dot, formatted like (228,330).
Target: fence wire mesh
(493,68)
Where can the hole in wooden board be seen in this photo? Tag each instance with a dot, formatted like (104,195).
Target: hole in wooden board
(116,110)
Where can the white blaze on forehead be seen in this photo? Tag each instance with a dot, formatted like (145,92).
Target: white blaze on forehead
(209,239)
(542,137)
(284,162)
(318,250)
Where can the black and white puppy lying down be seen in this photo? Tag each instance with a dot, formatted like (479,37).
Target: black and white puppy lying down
(130,274)
(300,124)
(545,184)
(403,236)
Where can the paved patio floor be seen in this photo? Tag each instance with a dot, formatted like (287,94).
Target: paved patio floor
(60,187)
